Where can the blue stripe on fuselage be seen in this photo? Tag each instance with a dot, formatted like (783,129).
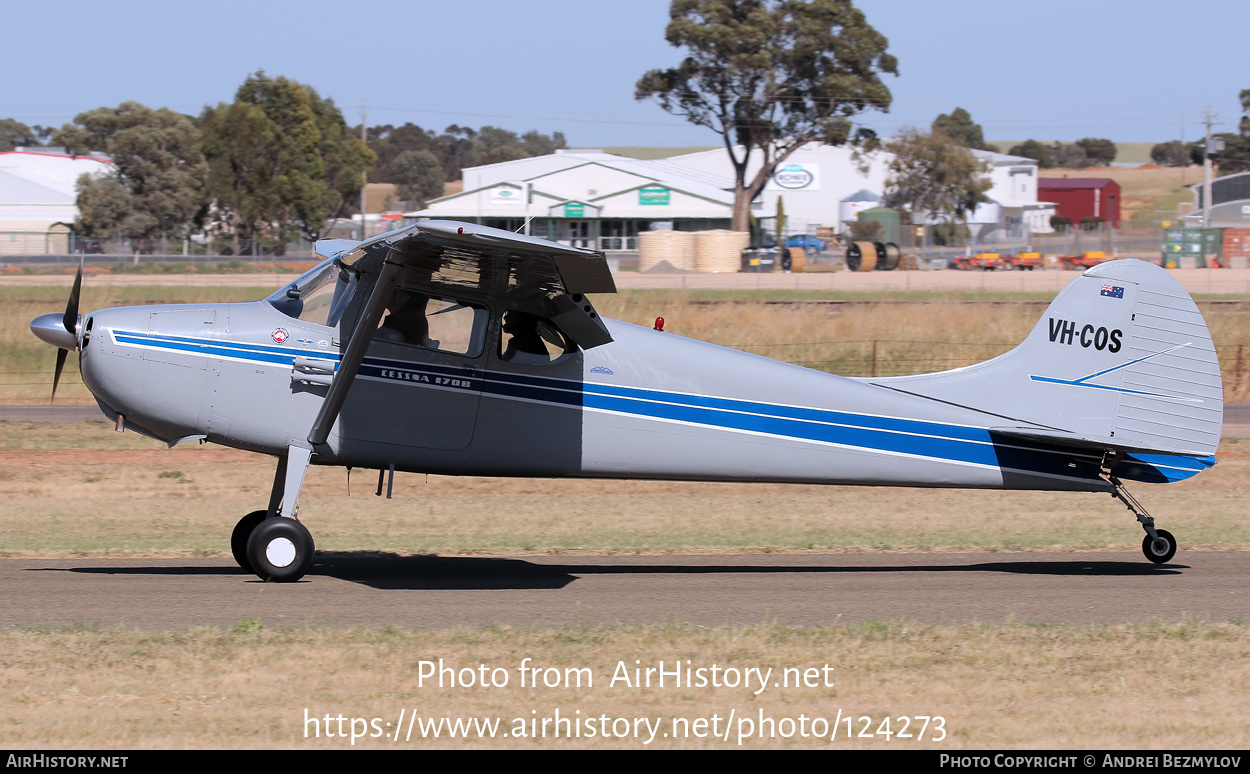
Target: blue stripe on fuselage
(936,440)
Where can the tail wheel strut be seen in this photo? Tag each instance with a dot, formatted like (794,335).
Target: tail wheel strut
(1159,545)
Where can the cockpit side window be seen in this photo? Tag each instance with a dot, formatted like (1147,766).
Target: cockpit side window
(432,322)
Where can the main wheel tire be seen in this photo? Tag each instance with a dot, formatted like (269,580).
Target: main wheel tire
(242,531)
(280,550)
(1159,551)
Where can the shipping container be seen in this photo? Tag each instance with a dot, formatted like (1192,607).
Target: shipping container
(1204,246)
(1236,243)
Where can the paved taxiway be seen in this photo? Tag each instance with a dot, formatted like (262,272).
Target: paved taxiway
(800,590)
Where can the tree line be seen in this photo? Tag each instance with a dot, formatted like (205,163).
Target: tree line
(275,164)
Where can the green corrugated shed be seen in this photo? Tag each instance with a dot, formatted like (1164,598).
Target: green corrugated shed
(890,220)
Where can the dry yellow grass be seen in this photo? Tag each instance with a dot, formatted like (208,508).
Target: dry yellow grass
(1149,686)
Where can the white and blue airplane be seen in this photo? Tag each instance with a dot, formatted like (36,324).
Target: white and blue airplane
(457,349)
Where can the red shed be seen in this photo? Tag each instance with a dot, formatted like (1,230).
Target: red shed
(1082,197)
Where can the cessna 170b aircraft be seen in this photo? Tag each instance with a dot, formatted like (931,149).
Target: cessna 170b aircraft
(457,349)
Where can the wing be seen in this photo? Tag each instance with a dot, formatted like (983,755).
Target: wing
(463,254)
(432,256)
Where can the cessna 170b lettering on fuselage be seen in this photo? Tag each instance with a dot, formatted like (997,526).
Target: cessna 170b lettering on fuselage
(457,349)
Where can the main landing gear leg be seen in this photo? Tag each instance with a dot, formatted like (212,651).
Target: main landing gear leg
(278,547)
(1159,546)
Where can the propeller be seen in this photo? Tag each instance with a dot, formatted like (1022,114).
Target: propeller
(61,331)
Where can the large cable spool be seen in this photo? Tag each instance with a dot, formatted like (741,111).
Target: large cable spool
(887,256)
(861,256)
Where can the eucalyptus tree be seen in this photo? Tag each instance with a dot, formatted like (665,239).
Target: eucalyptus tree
(156,185)
(932,175)
(770,76)
(281,160)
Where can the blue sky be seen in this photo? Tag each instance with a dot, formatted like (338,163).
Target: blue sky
(1060,70)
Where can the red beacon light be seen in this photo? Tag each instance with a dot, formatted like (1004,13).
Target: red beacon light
(659,323)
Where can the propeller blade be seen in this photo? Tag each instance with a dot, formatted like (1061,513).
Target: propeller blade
(56,375)
(71,306)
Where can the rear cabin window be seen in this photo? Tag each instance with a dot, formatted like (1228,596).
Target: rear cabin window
(531,340)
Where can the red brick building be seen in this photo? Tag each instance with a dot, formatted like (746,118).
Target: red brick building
(1082,197)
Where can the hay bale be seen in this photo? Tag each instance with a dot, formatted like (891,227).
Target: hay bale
(676,248)
(719,250)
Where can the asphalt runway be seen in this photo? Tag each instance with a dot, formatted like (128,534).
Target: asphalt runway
(799,590)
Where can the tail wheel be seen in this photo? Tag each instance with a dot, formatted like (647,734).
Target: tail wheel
(280,550)
(242,531)
(1159,550)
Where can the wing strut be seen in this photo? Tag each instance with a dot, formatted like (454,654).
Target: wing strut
(366,327)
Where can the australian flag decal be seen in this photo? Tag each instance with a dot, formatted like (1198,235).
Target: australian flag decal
(1115,291)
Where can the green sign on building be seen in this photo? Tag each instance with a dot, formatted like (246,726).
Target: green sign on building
(653,196)
(575,210)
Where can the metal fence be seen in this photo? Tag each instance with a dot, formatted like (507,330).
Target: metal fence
(16,245)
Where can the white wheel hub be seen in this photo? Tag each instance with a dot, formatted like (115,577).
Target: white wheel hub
(280,552)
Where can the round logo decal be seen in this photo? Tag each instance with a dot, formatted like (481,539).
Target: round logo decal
(280,335)
(793,176)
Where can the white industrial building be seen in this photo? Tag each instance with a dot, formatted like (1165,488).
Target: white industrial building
(38,198)
(589,198)
(816,181)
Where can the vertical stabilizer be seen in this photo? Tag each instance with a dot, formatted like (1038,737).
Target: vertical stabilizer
(1122,357)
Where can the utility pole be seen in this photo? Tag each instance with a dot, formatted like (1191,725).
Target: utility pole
(1209,119)
(364,175)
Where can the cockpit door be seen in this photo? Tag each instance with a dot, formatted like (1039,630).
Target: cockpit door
(421,380)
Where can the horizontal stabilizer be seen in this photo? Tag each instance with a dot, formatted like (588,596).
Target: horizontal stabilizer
(1091,443)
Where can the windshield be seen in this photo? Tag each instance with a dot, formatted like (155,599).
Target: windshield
(318,296)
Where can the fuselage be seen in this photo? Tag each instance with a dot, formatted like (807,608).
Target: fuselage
(648,405)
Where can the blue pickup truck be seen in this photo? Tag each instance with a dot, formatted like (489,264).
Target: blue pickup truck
(808,243)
